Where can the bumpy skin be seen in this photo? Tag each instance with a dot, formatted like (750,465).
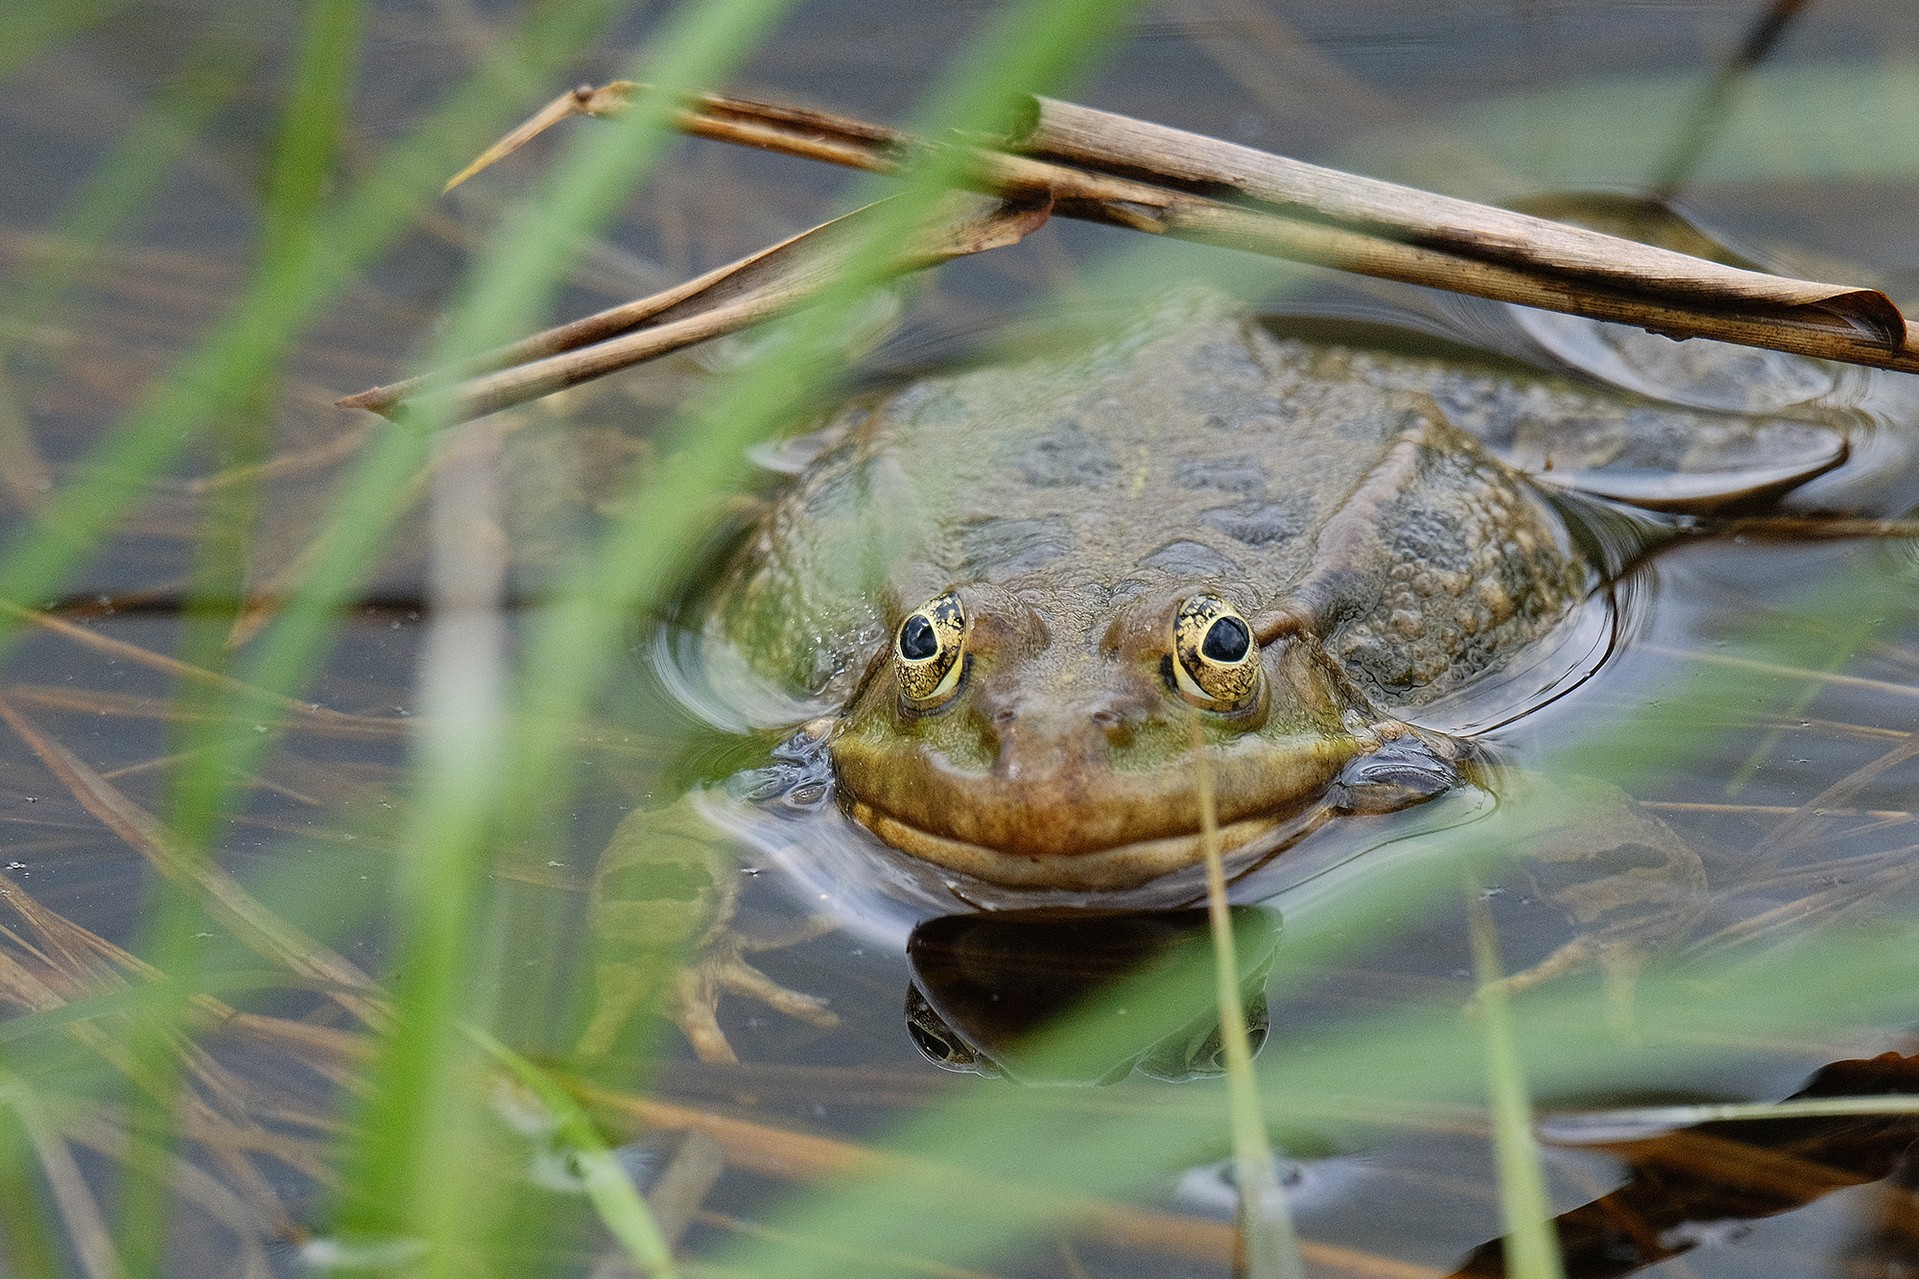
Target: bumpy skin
(1382,556)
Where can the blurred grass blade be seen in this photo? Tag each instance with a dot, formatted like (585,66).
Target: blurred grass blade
(79,1210)
(25,1214)
(220,373)
(1002,1167)
(414,1165)
(621,1207)
(223,378)
(307,139)
(1266,1223)
(1532,1247)
(1706,119)
(312,127)
(724,300)
(125,184)
(33,26)
(667,511)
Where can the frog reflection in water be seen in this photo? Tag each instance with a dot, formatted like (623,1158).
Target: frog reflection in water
(1022,587)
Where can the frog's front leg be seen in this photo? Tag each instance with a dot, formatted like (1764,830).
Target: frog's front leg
(1626,882)
(662,913)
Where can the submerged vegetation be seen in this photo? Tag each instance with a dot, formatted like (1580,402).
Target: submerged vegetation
(366,780)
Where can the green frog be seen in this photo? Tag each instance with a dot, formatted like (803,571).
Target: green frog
(1021,594)
(1021,587)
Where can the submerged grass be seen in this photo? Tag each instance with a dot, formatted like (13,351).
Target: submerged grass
(495,757)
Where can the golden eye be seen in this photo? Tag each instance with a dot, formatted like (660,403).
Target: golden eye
(1215,658)
(927,652)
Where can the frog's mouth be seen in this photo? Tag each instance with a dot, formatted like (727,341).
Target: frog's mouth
(1118,866)
(1082,828)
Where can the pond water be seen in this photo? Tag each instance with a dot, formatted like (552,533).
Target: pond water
(1757,694)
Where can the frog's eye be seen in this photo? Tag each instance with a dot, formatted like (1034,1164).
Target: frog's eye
(1215,658)
(927,652)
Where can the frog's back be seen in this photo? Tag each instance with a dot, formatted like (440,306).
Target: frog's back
(1193,451)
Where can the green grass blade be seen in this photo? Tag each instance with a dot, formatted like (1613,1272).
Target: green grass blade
(415,1125)
(199,789)
(24,1209)
(1266,1224)
(124,184)
(667,513)
(225,376)
(619,1204)
(229,362)
(1532,1248)
(34,26)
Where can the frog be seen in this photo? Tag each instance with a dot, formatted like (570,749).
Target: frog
(1018,590)
(1021,596)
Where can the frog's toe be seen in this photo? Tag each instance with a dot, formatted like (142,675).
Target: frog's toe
(1619,969)
(796,933)
(697,998)
(1575,957)
(696,1014)
(611,1012)
(742,978)
(690,998)
(1405,770)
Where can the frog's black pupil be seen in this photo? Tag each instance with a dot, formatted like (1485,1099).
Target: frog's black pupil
(1227,640)
(917,640)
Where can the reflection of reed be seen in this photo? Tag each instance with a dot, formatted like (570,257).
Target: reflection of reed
(1718,96)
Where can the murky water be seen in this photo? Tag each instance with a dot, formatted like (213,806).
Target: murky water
(1792,775)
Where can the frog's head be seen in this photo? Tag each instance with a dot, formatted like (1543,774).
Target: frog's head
(1055,750)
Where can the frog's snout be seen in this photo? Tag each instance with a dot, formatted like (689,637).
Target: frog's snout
(1036,739)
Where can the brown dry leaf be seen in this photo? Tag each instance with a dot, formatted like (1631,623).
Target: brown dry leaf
(1125,172)
(722,301)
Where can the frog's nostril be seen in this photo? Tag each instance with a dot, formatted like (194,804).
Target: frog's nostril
(1112,725)
(1004,716)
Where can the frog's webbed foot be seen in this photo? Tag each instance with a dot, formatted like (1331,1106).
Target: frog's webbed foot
(1625,881)
(662,911)
(723,967)
(795,933)
(1619,961)
(688,992)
